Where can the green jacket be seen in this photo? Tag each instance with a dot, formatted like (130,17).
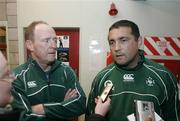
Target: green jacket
(34,86)
(148,81)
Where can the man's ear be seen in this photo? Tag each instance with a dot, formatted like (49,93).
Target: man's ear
(29,45)
(140,41)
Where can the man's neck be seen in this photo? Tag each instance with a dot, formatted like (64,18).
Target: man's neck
(130,65)
(45,67)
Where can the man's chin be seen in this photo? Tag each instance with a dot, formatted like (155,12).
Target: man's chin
(121,64)
(51,61)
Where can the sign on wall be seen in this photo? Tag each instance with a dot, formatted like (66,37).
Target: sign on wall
(168,47)
(63,49)
(162,46)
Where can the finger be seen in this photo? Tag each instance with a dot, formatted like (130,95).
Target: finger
(96,100)
(99,100)
(108,100)
(148,118)
(72,93)
(69,90)
(67,93)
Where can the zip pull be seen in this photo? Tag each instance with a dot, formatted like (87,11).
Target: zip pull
(48,80)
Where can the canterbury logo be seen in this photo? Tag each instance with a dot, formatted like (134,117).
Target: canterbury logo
(31,84)
(128,76)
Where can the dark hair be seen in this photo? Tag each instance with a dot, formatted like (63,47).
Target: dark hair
(126,23)
(29,32)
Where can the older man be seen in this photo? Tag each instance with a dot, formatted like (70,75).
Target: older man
(45,88)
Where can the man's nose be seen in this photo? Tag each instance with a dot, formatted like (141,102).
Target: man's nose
(117,46)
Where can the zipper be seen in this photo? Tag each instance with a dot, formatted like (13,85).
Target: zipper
(48,83)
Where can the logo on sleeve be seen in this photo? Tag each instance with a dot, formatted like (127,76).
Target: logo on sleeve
(31,84)
(128,78)
(150,82)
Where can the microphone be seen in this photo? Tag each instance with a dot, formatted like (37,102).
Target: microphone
(106,91)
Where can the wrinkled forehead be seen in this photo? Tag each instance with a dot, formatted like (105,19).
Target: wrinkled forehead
(44,30)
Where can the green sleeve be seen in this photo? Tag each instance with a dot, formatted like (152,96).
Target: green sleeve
(21,102)
(70,108)
(171,106)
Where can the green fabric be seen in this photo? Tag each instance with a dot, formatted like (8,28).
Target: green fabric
(34,86)
(148,81)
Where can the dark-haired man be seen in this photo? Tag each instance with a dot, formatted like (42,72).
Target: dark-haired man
(134,78)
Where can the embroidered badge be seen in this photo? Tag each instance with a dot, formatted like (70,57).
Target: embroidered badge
(150,81)
(128,78)
(31,84)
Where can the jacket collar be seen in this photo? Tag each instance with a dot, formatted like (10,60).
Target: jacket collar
(54,64)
